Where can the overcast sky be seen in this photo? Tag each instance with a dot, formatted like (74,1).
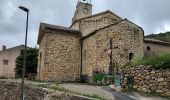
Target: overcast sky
(152,15)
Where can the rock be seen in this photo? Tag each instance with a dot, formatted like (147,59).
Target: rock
(164,83)
(118,88)
(112,86)
(159,91)
(153,72)
(135,86)
(168,93)
(147,77)
(144,89)
(160,79)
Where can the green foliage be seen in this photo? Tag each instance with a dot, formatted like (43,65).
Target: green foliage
(98,77)
(31,62)
(161,36)
(157,62)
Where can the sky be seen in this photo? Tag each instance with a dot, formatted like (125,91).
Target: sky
(152,15)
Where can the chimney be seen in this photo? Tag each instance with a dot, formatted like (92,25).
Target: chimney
(3,48)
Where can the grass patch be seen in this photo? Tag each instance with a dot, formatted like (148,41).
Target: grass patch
(157,62)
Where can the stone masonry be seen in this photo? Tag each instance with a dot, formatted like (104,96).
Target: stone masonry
(125,41)
(59,59)
(147,79)
(89,24)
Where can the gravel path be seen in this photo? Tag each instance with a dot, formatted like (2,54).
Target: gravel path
(88,89)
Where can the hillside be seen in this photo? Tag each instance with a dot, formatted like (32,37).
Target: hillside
(161,36)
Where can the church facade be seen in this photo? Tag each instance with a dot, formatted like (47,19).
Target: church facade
(65,53)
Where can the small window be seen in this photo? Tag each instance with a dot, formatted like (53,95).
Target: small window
(5,62)
(148,48)
(130,56)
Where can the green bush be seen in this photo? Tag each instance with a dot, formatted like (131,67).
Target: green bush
(98,77)
(157,62)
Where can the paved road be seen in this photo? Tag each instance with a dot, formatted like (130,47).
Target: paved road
(118,95)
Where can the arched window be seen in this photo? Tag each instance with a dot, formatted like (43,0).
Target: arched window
(130,56)
(148,48)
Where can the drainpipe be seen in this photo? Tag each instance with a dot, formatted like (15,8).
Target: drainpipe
(81,51)
(81,57)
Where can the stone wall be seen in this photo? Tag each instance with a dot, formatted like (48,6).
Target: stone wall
(147,79)
(88,25)
(41,58)
(125,41)
(60,57)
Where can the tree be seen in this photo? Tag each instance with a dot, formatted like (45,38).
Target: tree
(31,62)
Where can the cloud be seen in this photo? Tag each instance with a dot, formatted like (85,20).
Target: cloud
(152,15)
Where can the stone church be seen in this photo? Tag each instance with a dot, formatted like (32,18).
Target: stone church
(65,53)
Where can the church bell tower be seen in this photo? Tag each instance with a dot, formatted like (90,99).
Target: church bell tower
(83,9)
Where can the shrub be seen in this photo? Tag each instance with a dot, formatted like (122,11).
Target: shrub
(98,75)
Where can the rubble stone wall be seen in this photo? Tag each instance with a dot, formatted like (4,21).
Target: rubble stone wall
(147,79)
(61,61)
(125,41)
